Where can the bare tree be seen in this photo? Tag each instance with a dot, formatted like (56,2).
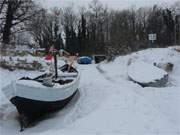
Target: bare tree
(141,18)
(70,27)
(46,30)
(97,26)
(2,13)
(17,13)
(2,5)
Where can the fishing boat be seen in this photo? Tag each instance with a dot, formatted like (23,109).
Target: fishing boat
(34,97)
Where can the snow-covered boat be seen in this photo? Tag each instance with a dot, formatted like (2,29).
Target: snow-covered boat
(147,75)
(38,96)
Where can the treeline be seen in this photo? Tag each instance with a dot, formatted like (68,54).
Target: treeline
(92,30)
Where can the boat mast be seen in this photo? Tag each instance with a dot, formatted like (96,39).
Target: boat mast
(55,63)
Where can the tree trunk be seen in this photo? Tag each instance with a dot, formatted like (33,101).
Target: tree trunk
(8,25)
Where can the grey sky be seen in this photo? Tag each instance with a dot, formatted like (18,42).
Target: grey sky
(116,4)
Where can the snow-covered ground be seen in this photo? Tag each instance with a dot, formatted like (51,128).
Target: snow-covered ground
(108,102)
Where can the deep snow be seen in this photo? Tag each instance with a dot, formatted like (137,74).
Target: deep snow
(108,102)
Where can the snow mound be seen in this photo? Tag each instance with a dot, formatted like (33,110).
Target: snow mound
(144,73)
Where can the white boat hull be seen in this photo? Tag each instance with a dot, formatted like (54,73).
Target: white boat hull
(17,88)
(32,99)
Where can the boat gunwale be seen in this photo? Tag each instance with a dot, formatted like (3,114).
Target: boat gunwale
(67,85)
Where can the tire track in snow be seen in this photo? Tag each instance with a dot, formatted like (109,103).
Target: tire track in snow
(103,73)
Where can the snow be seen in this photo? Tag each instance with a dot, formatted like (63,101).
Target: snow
(29,59)
(34,84)
(30,83)
(108,102)
(145,73)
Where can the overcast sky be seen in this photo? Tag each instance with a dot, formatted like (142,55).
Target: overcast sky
(115,4)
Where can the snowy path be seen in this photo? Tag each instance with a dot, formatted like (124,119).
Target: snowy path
(148,113)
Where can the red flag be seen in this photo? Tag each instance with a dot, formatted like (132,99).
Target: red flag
(48,57)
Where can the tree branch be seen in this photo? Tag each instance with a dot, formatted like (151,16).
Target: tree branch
(23,19)
(2,5)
